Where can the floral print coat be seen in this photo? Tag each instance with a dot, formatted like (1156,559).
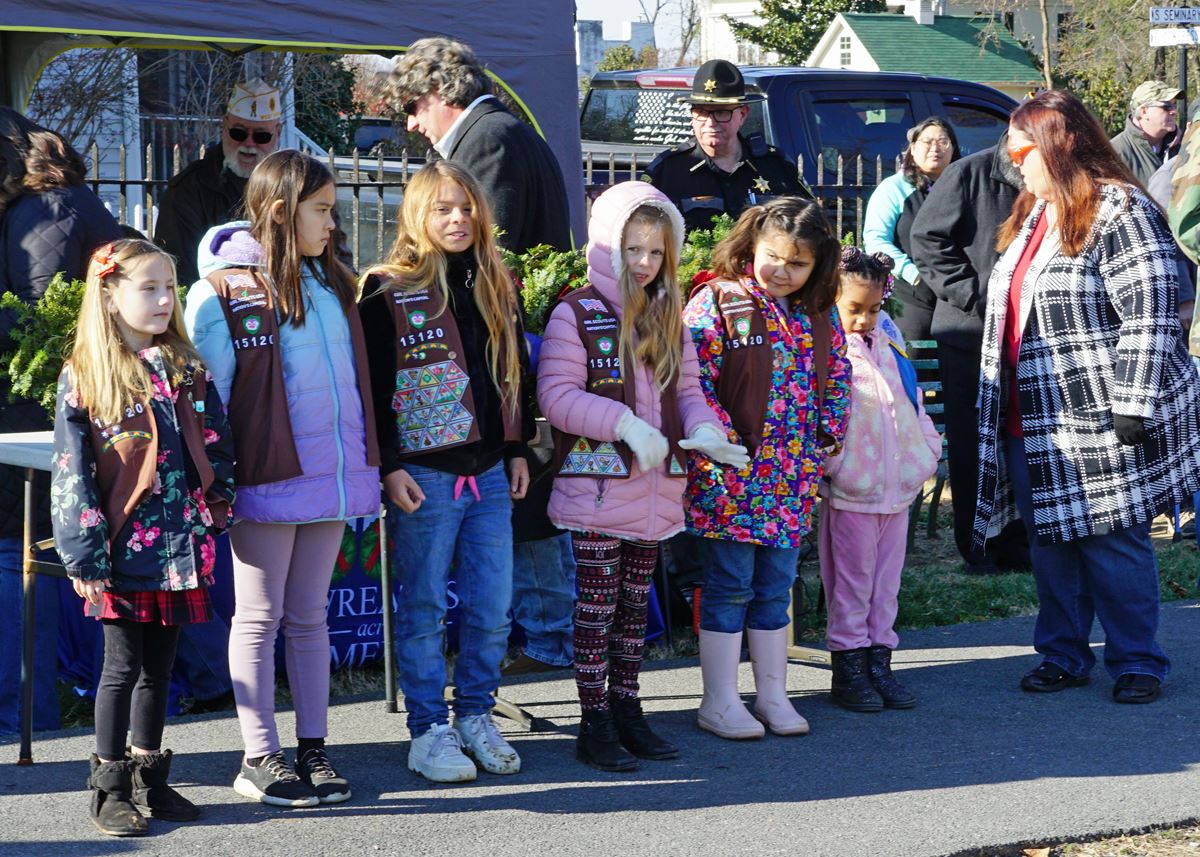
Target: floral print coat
(167,542)
(770,502)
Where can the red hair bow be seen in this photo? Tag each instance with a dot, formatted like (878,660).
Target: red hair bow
(105,263)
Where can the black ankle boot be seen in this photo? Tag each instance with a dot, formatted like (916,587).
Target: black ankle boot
(895,695)
(635,733)
(152,795)
(112,808)
(851,684)
(598,744)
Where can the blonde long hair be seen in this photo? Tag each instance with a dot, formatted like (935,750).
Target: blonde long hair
(652,326)
(106,375)
(417,262)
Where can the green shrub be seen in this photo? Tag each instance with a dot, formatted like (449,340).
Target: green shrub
(42,336)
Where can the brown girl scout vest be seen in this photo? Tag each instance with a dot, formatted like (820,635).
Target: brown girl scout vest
(127,454)
(600,332)
(747,366)
(257,407)
(433,403)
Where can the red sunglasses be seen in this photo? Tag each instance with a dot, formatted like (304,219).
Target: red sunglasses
(1018,154)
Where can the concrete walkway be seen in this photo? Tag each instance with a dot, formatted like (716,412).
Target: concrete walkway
(978,763)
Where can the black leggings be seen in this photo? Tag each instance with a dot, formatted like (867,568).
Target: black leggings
(134,685)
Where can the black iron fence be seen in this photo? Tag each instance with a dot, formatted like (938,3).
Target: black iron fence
(370,188)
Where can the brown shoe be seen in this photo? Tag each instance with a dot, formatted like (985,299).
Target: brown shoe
(525,665)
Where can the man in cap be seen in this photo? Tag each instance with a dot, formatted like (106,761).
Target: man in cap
(721,170)
(1151,128)
(443,89)
(209,191)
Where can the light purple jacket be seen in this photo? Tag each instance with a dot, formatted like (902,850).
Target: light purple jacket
(647,505)
(324,405)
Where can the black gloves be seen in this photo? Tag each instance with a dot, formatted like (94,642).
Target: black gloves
(1130,430)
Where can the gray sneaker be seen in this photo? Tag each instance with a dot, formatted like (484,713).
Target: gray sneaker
(274,782)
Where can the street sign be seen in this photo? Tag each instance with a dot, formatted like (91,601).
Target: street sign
(1166,38)
(1174,15)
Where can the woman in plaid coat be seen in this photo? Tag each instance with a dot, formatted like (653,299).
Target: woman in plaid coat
(1089,407)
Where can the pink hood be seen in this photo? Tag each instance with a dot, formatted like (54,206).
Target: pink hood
(648,505)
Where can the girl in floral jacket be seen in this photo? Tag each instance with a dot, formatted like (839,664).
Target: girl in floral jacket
(142,479)
(773,367)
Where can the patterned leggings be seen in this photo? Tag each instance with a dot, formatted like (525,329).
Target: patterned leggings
(613,580)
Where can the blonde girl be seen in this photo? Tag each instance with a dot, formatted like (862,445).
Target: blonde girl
(448,366)
(274,317)
(142,479)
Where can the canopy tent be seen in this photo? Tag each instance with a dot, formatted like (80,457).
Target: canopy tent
(528,47)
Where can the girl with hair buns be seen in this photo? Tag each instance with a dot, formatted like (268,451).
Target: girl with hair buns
(142,479)
(891,448)
(619,383)
(448,373)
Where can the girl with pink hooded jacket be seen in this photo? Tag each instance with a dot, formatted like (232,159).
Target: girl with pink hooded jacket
(618,381)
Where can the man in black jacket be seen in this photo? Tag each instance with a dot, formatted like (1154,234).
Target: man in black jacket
(447,96)
(209,191)
(954,246)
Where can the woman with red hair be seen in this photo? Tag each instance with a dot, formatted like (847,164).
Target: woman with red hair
(1089,410)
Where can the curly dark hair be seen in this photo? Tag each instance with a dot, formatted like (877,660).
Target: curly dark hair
(909,167)
(34,159)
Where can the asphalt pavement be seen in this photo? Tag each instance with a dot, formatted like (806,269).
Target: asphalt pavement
(977,764)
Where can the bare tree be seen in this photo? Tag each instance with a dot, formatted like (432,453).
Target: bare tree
(689,27)
(997,10)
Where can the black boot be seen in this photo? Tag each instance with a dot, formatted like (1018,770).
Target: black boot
(152,795)
(598,744)
(895,695)
(112,809)
(635,733)
(851,684)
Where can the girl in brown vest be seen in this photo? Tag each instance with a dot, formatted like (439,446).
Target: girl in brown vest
(142,479)
(448,365)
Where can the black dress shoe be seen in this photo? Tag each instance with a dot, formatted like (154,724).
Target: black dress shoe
(1050,678)
(1136,688)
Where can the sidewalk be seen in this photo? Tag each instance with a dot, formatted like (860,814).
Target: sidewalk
(978,763)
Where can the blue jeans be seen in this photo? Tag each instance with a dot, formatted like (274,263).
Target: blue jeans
(45,655)
(544,598)
(1113,576)
(475,538)
(745,584)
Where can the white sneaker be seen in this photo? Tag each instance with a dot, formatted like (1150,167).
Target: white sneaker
(437,755)
(482,741)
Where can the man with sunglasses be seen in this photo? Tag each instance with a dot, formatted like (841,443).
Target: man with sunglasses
(1151,129)
(208,191)
(720,170)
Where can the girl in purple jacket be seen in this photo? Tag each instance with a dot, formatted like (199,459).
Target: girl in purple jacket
(617,380)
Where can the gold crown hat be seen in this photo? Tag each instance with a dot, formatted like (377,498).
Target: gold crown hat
(255,101)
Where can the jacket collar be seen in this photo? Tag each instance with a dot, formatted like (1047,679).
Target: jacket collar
(476,111)
(1002,166)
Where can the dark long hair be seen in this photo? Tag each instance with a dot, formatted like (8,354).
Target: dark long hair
(908,164)
(801,220)
(1078,159)
(292,177)
(33,159)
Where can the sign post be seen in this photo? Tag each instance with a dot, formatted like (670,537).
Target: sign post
(1182,36)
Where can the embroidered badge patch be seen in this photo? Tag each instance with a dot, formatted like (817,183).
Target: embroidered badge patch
(605,344)
(584,460)
(252,323)
(742,327)
(428,406)
(417,319)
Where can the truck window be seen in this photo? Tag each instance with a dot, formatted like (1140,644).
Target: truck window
(870,127)
(976,127)
(656,117)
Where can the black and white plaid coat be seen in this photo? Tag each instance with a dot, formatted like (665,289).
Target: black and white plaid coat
(1101,336)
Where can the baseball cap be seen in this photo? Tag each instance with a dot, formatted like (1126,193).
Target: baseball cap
(1153,91)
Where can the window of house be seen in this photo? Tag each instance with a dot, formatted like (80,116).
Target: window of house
(844,47)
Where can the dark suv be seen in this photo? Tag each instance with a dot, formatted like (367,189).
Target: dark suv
(809,113)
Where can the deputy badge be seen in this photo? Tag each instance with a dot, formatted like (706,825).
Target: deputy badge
(761,185)
(742,327)
(605,345)
(417,319)
(710,85)
(252,323)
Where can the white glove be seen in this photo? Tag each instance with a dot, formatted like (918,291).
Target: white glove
(647,442)
(710,440)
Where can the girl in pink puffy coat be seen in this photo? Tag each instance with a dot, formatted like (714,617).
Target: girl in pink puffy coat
(891,448)
(618,381)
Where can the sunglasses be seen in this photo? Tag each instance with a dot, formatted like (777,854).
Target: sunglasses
(259,136)
(1018,154)
(410,107)
(720,116)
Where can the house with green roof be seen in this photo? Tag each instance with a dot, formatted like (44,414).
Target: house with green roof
(924,43)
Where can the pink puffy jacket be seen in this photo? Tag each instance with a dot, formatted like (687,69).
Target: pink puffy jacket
(647,505)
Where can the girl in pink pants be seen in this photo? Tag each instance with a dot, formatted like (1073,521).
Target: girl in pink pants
(891,448)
